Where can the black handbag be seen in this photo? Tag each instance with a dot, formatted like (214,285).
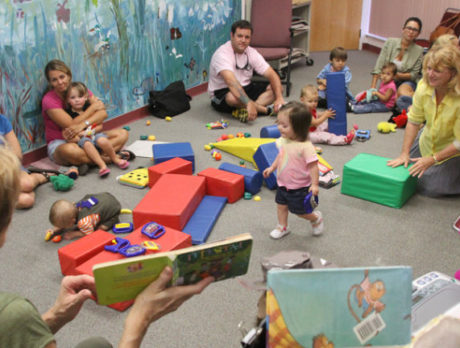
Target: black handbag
(171,101)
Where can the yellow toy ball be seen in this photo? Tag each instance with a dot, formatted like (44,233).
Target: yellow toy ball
(151,137)
(167,118)
(231,136)
(257,198)
(207,147)
(148,123)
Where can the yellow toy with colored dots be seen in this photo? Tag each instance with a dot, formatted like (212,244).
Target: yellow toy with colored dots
(138,178)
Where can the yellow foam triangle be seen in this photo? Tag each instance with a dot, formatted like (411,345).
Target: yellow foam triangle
(323,162)
(244,148)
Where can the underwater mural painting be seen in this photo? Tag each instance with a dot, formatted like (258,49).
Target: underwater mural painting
(119,49)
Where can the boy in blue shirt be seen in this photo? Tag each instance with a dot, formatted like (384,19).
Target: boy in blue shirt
(337,60)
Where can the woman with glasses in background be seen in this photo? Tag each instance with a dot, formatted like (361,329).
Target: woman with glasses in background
(407,56)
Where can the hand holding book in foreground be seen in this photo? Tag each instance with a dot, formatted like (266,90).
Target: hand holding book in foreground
(123,280)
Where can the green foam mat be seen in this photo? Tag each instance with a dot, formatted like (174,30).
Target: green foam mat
(368,177)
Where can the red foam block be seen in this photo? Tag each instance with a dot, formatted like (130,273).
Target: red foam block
(173,166)
(171,201)
(224,184)
(81,250)
(171,240)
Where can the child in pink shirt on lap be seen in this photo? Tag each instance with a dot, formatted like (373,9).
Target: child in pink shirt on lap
(386,94)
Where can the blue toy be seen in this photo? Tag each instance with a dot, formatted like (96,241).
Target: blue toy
(199,226)
(132,250)
(90,202)
(310,202)
(264,157)
(123,227)
(153,230)
(271,131)
(336,100)
(164,152)
(252,179)
(120,243)
(363,135)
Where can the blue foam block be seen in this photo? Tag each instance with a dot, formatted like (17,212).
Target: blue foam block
(165,152)
(264,157)
(203,219)
(271,131)
(252,178)
(336,99)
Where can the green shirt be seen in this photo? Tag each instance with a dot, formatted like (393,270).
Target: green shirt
(411,61)
(20,323)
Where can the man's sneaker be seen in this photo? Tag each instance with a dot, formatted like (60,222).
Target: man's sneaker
(271,110)
(318,225)
(279,232)
(241,114)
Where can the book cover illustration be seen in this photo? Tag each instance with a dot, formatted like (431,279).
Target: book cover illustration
(123,280)
(346,307)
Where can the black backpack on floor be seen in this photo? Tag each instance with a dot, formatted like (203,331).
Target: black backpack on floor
(171,101)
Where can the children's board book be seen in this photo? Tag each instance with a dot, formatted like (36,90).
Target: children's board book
(339,307)
(123,280)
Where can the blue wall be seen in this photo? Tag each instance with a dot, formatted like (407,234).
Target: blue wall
(120,49)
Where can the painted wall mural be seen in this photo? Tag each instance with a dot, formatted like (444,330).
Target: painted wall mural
(119,49)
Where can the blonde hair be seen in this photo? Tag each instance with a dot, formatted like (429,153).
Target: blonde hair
(446,39)
(444,57)
(9,185)
(308,89)
(61,212)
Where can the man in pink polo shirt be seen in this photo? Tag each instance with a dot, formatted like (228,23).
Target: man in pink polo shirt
(231,70)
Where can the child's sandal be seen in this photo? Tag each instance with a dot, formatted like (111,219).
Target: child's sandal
(123,164)
(104,172)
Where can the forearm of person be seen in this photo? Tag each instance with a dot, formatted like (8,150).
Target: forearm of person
(51,318)
(315,122)
(275,83)
(99,128)
(409,136)
(446,153)
(375,79)
(314,174)
(97,117)
(13,143)
(404,76)
(384,97)
(235,87)
(134,331)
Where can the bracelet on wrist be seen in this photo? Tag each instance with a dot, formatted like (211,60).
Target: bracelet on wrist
(435,159)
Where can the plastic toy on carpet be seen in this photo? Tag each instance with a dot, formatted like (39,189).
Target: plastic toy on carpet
(61,182)
(386,127)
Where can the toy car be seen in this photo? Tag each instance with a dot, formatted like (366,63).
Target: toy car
(123,227)
(153,230)
(363,135)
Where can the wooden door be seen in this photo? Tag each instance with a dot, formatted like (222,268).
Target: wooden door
(335,23)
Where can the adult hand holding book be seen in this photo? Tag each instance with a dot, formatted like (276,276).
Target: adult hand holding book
(155,301)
